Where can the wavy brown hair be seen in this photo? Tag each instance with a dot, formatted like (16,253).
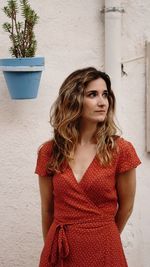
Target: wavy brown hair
(65,119)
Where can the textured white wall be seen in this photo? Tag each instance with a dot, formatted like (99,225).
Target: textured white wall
(70,36)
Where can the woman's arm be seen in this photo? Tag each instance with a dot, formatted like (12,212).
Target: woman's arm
(47,203)
(126,186)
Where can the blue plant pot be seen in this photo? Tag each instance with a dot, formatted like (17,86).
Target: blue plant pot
(22,76)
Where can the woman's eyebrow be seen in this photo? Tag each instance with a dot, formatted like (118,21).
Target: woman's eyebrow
(95,90)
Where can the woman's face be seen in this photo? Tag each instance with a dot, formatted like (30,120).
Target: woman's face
(95,101)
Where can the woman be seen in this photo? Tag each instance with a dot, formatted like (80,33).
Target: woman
(86,177)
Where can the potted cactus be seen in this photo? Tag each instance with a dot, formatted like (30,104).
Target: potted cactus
(23,70)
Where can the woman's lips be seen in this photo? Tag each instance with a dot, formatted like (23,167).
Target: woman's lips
(100,111)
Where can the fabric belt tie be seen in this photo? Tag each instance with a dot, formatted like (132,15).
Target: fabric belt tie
(60,246)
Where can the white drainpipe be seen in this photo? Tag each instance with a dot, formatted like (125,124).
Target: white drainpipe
(113,12)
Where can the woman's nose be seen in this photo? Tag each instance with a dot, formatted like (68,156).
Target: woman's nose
(101,101)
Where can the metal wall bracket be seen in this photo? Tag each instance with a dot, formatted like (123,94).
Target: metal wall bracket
(113,9)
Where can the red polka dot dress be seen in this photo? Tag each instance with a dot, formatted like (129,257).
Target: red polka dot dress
(84,232)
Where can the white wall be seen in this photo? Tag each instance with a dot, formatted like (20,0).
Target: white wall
(70,36)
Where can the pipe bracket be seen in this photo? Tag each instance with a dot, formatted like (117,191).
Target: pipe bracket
(113,9)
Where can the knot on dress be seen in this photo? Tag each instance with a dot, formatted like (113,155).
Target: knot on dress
(60,246)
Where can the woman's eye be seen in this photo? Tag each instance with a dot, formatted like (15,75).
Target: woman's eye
(92,94)
(105,94)
(95,93)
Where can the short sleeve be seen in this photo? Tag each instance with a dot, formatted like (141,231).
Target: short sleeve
(128,158)
(43,158)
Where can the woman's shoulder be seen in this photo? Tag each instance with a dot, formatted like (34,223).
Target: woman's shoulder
(44,154)
(123,143)
(46,147)
(124,146)
(127,156)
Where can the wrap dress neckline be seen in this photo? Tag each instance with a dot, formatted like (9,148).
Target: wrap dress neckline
(84,173)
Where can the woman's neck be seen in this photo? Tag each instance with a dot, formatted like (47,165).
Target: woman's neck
(87,131)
